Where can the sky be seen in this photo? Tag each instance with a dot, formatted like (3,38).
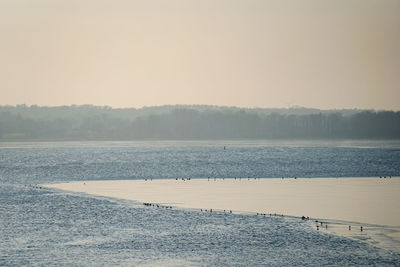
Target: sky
(248,53)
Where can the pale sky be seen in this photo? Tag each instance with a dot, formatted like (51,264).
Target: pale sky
(248,53)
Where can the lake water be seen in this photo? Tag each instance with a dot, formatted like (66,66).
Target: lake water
(49,227)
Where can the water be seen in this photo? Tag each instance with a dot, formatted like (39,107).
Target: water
(48,227)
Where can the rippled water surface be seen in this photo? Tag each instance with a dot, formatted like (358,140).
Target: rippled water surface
(45,227)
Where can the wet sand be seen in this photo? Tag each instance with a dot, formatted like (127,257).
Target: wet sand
(373,203)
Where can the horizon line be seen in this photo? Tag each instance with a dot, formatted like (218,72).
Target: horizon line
(194,105)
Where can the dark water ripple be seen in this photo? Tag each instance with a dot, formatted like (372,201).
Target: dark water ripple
(54,228)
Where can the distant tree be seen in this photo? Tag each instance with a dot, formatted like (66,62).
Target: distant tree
(192,122)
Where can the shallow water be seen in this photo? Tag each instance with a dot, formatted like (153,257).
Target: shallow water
(46,227)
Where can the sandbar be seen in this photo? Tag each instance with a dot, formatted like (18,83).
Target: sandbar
(370,202)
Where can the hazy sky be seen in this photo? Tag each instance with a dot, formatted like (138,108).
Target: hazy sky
(250,53)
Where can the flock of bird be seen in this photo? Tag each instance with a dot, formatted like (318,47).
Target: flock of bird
(319,224)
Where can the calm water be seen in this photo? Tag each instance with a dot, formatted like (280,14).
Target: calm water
(45,227)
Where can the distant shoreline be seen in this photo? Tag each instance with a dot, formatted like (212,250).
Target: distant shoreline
(7,140)
(191,122)
(222,140)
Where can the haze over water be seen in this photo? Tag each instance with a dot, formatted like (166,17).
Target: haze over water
(253,53)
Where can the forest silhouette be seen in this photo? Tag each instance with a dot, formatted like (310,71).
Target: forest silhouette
(186,122)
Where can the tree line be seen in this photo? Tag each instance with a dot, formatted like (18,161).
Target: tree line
(193,123)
